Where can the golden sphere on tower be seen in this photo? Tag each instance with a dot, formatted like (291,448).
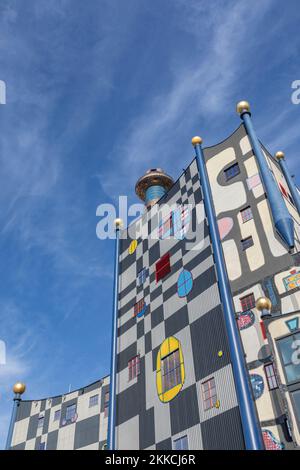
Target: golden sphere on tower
(263,303)
(118,223)
(196,140)
(19,388)
(279,155)
(242,106)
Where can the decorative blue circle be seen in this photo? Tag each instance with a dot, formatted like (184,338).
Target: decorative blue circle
(184,283)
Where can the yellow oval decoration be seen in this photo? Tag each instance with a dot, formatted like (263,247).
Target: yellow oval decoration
(169,345)
(132,247)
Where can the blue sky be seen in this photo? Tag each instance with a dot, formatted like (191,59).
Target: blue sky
(97,93)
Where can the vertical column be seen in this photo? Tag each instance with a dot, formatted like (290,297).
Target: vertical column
(292,187)
(250,424)
(19,388)
(113,363)
(283,222)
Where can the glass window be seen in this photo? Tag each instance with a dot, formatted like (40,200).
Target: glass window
(139,308)
(93,401)
(71,412)
(56,415)
(290,357)
(184,283)
(271,377)
(246,214)
(247,302)
(209,394)
(232,171)
(165,229)
(106,404)
(247,242)
(41,422)
(181,443)
(170,371)
(142,276)
(42,446)
(162,267)
(296,402)
(133,367)
(292,281)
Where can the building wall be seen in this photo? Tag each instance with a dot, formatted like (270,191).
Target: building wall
(195,321)
(87,429)
(258,270)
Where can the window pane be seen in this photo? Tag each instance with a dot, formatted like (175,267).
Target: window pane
(293,372)
(296,400)
(57,415)
(285,346)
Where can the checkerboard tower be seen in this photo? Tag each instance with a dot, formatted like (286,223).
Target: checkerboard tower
(153,185)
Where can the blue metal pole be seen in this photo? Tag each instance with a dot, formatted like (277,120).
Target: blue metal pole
(113,366)
(282,219)
(289,180)
(250,424)
(17,399)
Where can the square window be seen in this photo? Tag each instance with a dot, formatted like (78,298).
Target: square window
(181,443)
(93,401)
(247,243)
(162,267)
(142,276)
(270,376)
(247,302)
(71,412)
(246,214)
(232,171)
(133,367)
(56,415)
(209,394)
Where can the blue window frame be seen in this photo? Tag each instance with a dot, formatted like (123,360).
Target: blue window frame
(232,171)
(181,443)
(71,412)
(93,401)
(142,276)
(42,446)
(56,415)
(184,283)
(247,243)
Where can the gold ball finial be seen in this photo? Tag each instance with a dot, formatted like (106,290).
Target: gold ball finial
(19,388)
(263,303)
(242,106)
(196,140)
(118,223)
(279,155)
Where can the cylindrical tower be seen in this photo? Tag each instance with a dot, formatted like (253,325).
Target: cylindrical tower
(153,185)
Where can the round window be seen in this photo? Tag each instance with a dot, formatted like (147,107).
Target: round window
(184,283)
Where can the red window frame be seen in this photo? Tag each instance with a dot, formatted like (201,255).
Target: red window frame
(162,267)
(247,302)
(271,376)
(138,307)
(209,394)
(134,367)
